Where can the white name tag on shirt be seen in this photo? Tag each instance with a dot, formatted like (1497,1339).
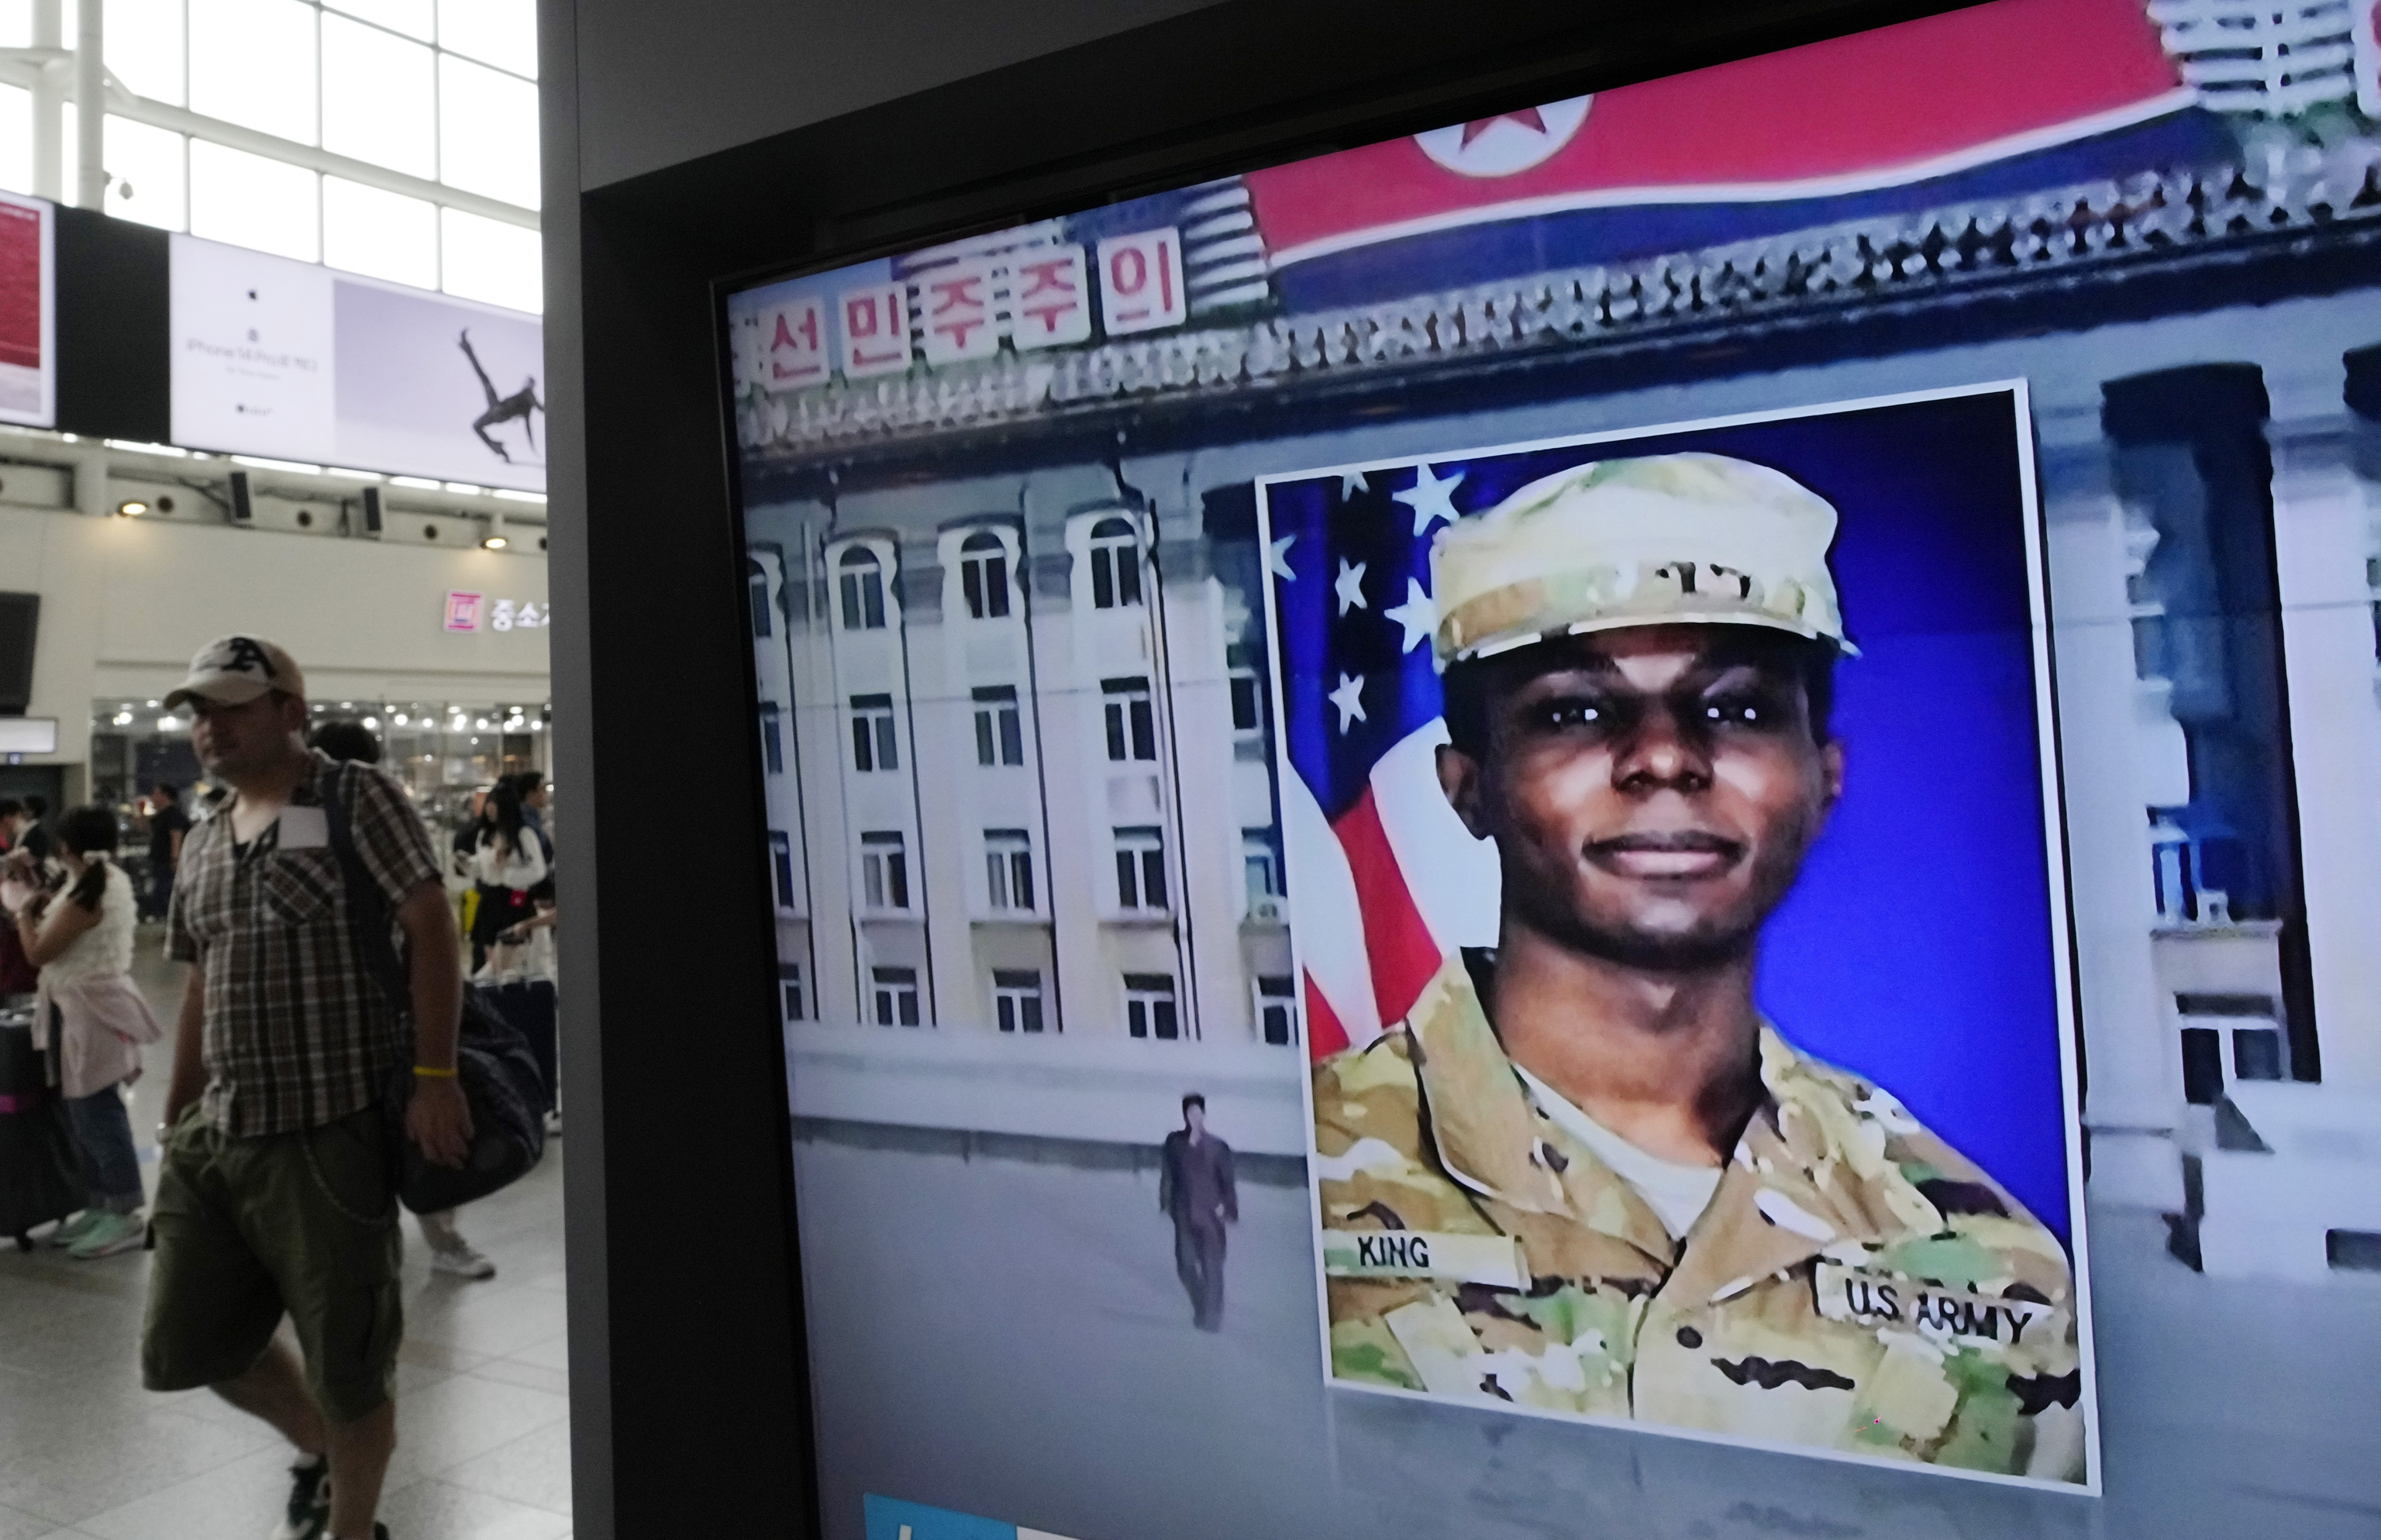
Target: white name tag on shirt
(304,828)
(1495,1260)
(1863,1298)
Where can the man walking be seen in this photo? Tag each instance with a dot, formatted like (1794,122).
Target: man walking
(168,826)
(1194,1190)
(274,1191)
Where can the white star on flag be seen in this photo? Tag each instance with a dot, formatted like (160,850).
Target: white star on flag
(1430,497)
(1278,559)
(1418,615)
(1352,482)
(1349,699)
(1349,587)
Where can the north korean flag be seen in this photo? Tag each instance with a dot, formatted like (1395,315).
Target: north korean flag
(1989,102)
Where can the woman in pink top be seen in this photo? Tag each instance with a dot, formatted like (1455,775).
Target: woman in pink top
(82,939)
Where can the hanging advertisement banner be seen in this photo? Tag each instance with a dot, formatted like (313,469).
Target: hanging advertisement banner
(27,312)
(299,362)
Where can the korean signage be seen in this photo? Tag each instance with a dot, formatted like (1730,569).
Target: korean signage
(797,336)
(476,612)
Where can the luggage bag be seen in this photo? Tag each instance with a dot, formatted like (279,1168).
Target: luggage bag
(41,1177)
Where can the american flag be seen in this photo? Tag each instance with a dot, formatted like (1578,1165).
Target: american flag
(1385,881)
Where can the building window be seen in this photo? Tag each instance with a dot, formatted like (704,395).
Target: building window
(1133,728)
(999,736)
(781,866)
(1277,1008)
(1116,564)
(884,869)
(873,746)
(789,989)
(1247,716)
(1262,863)
(983,575)
(760,592)
(1017,998)
(863,589)
(1140,868)
(773,743)
(897,997)
(1149,1005)
(1008,868)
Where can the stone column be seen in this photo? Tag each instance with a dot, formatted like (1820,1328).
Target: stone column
(2114,772)
(2324,538)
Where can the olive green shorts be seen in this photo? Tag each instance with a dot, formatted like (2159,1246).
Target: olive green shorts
(249,1230)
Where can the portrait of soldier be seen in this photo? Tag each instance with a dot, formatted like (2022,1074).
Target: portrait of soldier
(1585,1173)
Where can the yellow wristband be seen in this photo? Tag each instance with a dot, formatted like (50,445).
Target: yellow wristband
(429,1074)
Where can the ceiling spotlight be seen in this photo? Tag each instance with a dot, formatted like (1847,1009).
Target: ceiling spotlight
(132,508)
(494,543)
(494,539)
(373,721)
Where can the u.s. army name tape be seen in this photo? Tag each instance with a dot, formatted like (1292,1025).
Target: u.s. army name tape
(1877,1299)
(1494,1260)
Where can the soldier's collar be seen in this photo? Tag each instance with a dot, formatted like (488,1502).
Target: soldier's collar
(1816,1146)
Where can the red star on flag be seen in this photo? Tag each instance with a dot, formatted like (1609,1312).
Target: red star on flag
(1526,118)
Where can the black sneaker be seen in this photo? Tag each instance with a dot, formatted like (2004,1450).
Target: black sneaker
(309,1501)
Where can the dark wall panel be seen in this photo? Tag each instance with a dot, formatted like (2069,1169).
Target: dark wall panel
(114,351)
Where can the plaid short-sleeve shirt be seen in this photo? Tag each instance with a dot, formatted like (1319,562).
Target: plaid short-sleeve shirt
(298,1031)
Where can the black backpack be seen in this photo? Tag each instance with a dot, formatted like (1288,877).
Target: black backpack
(493,1062)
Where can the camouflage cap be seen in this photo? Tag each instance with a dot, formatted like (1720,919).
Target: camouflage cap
(1657,540)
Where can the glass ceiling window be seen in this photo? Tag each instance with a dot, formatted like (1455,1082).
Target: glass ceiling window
(434,102)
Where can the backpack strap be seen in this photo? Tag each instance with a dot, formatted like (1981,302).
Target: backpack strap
(367,911)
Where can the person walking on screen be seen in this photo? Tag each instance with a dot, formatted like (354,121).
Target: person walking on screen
(274,1194)
(1584,1174)
(1195,1190)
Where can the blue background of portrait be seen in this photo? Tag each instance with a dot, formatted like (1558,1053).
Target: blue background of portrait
(1917,948)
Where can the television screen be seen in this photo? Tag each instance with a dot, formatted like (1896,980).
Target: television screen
(20,625)
(1652,814)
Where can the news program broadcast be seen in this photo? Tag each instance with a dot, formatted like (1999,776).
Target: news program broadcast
(1604,819)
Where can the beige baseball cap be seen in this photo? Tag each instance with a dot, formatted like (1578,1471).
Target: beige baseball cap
(234,670)
(1658,540)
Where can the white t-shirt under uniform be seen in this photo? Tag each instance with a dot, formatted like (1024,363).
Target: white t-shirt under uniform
(1677,1194)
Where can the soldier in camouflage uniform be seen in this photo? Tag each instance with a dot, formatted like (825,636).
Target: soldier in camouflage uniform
(1584,1175)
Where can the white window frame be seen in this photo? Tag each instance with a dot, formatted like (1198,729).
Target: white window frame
(1114,556)
(987,577)
(999,727)
(863,581)
(1009,872)
(884,871)
(1018,1006)
(1150,1012)
(1140,852)
(781,868)
(1129,717)
(772,738)
(876,736)
(893,994)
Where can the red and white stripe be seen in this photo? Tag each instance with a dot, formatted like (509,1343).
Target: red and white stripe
(1383,895)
